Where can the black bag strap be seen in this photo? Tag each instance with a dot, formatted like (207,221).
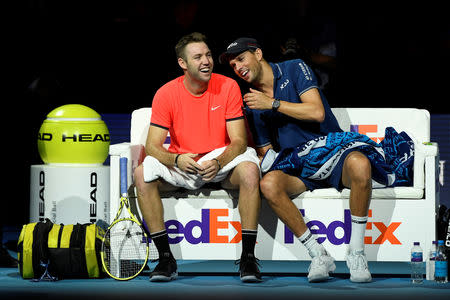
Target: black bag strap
(78,238)
(40,247)
(78,243)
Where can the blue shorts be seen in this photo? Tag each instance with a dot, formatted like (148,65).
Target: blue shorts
(334,180)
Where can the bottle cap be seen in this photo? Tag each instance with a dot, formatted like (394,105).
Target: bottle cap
(416,243)
(440,242)
(435,242)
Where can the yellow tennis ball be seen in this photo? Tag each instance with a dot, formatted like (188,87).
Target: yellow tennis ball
(73,134)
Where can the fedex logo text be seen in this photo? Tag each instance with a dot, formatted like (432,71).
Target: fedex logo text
(329,232)
(366,130)
(207,229)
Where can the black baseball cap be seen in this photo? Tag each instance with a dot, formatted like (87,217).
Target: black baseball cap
(237,47)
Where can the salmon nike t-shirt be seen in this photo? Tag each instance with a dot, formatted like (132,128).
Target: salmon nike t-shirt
(197,124)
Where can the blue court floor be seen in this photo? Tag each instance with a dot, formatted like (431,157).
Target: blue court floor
(219,280)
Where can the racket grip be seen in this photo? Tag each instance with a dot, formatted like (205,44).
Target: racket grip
(123,175)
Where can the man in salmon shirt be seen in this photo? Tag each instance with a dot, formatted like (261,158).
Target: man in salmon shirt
(202,111)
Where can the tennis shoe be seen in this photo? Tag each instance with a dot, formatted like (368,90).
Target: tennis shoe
(359,269)
(165,270)
(320,268)
(248,268)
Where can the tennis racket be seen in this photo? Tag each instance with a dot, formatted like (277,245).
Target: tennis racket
(125,247)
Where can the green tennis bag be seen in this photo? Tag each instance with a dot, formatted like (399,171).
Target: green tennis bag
(63,251)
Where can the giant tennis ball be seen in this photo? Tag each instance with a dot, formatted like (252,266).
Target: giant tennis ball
(73,134)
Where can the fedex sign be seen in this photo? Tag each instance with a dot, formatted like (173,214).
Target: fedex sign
(387,231)
(207,230)
(366,130)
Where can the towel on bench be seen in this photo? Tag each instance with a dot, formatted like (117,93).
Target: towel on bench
(391,160)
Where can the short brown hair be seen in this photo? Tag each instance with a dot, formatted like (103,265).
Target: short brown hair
(194,37)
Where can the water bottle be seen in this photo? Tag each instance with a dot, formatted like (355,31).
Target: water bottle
(431,261)
(440,274)
(416,263)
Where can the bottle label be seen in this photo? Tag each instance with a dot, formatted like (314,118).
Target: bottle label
(416,257)
(433,255)
(440,268)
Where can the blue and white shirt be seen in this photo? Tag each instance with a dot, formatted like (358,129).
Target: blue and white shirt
(292,78)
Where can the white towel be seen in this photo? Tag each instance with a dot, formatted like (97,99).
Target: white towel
(153,169)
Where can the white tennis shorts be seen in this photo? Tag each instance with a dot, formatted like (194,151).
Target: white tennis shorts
(153,169)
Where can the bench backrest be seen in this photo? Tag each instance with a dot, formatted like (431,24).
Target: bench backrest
(373,121)
(369,121)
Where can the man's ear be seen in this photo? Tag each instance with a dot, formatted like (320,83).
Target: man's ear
(182,63)
(258,54)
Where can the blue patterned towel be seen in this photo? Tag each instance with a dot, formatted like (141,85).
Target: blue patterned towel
(392,159)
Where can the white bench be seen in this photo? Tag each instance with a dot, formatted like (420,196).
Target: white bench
(204,224)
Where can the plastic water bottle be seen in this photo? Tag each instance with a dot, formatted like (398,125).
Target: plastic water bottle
(416,263)
(441,273)
(431,259)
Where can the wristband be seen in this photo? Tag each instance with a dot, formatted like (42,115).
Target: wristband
(176,160)
(220,167)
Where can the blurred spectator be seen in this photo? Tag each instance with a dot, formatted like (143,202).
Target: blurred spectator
(323,61)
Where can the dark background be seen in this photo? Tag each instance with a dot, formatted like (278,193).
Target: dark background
(113,55)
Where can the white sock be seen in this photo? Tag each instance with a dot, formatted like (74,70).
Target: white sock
(358,231)
(309,240)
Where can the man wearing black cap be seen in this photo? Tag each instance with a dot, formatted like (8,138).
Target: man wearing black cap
(286,109)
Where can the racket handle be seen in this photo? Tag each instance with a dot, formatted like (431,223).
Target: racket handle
(123,176)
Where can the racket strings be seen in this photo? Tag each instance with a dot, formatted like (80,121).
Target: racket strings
(153,254)
(125,249)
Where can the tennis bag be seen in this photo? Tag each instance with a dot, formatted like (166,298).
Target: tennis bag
(64,251)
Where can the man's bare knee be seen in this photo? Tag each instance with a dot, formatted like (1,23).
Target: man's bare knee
(249,175)
(245,175)
(142,186)
(270,186)
(277,184)
(357,170)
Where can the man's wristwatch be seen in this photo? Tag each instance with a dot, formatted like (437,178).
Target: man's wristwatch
(275,104)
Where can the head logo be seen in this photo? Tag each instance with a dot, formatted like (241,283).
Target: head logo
(319,228)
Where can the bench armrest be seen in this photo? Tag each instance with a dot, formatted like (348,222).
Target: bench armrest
(421,153)
(135,155)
